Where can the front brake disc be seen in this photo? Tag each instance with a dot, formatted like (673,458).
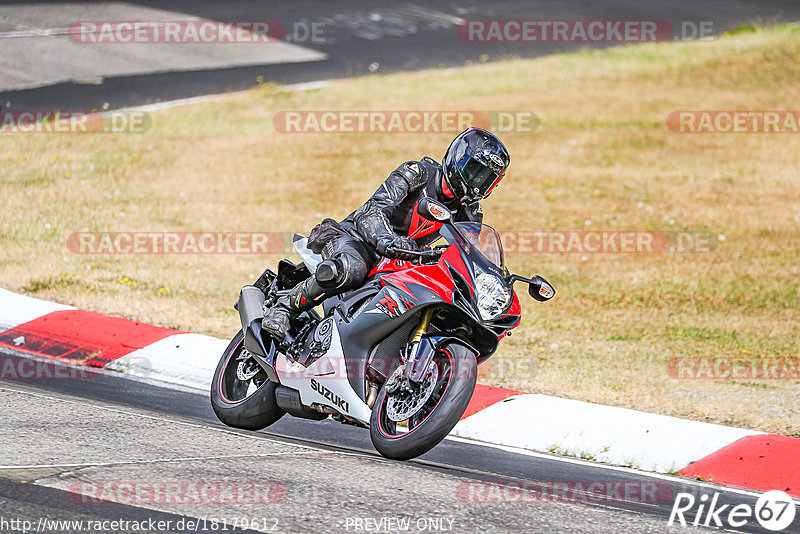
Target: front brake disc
(247,368)
(403,404)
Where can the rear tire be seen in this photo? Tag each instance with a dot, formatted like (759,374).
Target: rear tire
(234,401)
(458,372)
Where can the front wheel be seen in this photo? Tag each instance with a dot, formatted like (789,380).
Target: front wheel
(432,410)
(241,394)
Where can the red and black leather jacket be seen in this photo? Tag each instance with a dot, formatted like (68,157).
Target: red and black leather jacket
(392,208)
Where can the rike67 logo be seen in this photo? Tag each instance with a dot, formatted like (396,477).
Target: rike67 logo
(774,511)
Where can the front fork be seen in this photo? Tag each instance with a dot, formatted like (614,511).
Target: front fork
(413,361)
(416,358)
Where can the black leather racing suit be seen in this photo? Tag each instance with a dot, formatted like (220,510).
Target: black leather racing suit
(391,208)
(390,212)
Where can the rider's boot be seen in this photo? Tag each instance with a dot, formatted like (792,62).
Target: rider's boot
(302,297)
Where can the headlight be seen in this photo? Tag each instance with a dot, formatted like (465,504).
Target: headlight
(493,296)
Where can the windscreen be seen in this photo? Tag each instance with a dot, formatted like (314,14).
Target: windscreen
(485,239)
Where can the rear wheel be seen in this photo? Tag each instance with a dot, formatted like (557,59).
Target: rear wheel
(241,394)
(407,424)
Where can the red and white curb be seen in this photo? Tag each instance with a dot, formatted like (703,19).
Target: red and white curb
(726,455)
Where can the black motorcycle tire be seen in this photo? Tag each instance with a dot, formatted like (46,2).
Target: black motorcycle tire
(441,419)
(254,412)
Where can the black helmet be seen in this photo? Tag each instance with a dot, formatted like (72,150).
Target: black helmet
(474,164)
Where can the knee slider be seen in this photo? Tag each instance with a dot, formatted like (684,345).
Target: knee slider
(329,273)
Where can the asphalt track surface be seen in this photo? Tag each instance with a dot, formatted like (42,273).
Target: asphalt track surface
(57,433)
(358,38)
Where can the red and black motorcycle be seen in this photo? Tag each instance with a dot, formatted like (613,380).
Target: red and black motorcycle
(398,355)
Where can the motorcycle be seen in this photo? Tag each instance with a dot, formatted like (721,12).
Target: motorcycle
(398,355)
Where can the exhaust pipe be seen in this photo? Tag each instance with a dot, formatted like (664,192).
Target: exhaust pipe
(373,394)
(250,306)
(251,312)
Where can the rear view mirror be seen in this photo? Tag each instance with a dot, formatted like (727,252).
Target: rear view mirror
(429,209)
(540,289)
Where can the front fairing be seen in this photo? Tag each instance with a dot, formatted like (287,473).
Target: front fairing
(451,280)
(468,262)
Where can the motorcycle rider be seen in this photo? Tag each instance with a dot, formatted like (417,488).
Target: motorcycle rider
(388,225)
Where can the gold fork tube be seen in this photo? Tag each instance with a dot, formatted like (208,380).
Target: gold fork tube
(424,323)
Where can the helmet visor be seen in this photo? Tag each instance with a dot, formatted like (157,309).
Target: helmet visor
(478,178)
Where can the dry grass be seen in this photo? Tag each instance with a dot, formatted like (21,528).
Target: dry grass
(601,159)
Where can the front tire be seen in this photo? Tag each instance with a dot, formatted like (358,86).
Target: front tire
(457,374)
(248,404)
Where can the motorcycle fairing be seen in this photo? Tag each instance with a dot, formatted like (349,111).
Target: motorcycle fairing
(394,303)
(325,381)
(451,281)
(421,227)
(370,326)
(342,368)
(513,314)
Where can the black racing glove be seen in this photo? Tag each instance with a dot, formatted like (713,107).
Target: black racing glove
(393,247)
